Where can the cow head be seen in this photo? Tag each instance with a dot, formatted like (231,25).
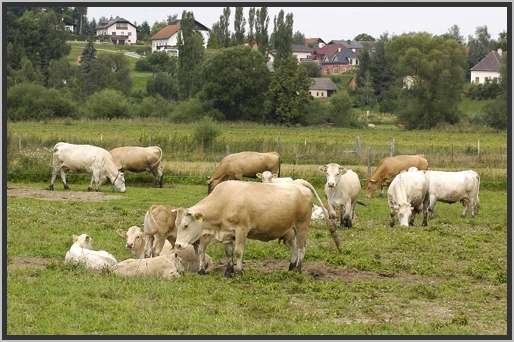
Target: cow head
(266,176)
(371,186)
(404,212)
(119,182)
(189,227)
(83,240)
(135,241)
(333,172)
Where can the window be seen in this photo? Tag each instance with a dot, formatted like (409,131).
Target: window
(121,26)
(130,33)
(477,79)
(113,33)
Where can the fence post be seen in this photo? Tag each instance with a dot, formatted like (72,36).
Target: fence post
(452,153)
(369,162)
(227,149)
(19,144)
(391,148)
(478,149)
(358,146)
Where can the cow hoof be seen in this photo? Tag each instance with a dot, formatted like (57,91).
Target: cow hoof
(391,224)
(291,266)
(66,187)
(229,271)
(202,271)
(51,188)
(89,188)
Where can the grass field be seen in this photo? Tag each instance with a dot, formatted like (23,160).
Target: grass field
(448,278)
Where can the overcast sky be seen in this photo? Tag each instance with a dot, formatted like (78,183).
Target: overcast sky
(340,22)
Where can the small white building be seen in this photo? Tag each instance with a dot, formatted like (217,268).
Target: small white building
(322,87)
(166,39)
(488,69)
(302,53)
(119,31)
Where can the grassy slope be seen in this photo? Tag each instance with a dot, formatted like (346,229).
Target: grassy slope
(449,278)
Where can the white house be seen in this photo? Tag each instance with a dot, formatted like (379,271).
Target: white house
(322,87)
(166,38)
(488,69)
(302,53)
(118,31)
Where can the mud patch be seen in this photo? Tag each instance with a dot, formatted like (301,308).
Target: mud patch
(22,262)
(60,195)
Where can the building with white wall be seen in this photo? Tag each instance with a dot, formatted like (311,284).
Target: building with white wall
(119,31)
(166,39)
(488,69)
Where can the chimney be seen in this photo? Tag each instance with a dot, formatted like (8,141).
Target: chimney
(500,51)
(338,49)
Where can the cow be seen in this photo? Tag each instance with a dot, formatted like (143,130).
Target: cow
(451,187)
(243,164)
(167,266)
(408,195)
(89,158)
(136,244)
(268,177)
(140,159)
(81,252)
(342,188)
(236,210)
(389,167)
(159,226)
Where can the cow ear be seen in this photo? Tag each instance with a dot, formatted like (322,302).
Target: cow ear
(198,217)
(342,169)
(323,168)
(75,237)
(259,175)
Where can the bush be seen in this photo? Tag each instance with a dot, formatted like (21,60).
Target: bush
(106,104)
(163,84)
(340,110)
(27,101)
(312,69)
(316,113)
(156,62)
(488,90)
(193,110)
(143,50)
(496,114)
(205,132)
(152,107)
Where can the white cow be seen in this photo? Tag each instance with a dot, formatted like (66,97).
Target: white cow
(342,189)
(89,158)
(82,252)
(268,177)
(167,266)
(408,195)
(451,187)
(136,242)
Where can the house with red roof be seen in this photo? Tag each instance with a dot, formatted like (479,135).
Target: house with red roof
(166,39)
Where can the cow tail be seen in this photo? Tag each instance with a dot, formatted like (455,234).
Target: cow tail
(478,190)
(331,226)
(159,160)
(279,162)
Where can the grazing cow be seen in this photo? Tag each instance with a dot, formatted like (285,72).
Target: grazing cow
(408,195)
(136,244)
(82,252)
(451,187)
(342,189)
(167,266)
(244,164)
(389,167)
(88,158)
(140,159)
(237,210)
(268,177)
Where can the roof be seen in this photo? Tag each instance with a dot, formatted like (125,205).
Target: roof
(328,49)
(301,48)
(342,56)
(169,30)
(311,41)
(322,83)
(491,62)
(112,22)
(352,44)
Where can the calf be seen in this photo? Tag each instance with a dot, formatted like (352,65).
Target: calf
(342,188)
(408,195)
(167,266)
(82,252)
(451,187)
(268,177)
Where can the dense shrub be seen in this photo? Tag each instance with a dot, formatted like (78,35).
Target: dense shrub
(312,69)
(488,90)
(156,62)
(106,104)
(152,107)
(496,114)
(316,113)
(33,101)
(340,110)
(205,132)
(163,84)
(193,110)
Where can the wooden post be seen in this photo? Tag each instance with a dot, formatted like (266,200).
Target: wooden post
(452,153)
(478,149)
(391,148)
(227,149)
(369,162)
(19,144)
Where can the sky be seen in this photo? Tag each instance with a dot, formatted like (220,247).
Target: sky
(331,23)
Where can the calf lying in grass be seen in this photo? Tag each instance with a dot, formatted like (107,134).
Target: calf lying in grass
(167,266)
(81,252)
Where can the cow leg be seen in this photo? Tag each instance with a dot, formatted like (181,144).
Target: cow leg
(290,241)
(52,180)
(229,253)
(391,214)
(157,173)
(158,245)
(431,205)
(90,187)
(202,247)
(149,240)
(301,242)
(63,178)
(465,203)
(239,247)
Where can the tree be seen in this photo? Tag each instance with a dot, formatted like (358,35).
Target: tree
(502,41)
(381,72)
(163,84)
(87,59)
(282,37)
(437,66)
(80,20)
(26,73)
(236,81)
(364,37)
(261,30)
(172,18)
(157,26)
(115,70)
(288,93)
(239,27)
(498,111)
(224,28)
(479,45)
(190,55)
(298,38)
(214,36)
(251,25)
(454,32)
(143,31)
(312,69)
(340,110)
(91,31)
(62,74)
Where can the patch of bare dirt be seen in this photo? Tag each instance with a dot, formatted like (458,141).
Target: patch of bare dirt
(60,195)
(20,262)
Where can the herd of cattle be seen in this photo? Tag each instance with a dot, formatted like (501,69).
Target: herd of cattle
(174,240)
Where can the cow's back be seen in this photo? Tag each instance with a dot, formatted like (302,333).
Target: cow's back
(82,157)
(409,187)
(351,184)
(136,158)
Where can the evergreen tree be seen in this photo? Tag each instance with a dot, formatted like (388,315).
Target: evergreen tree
(87,59)
(190,55)
(298,38)
(282,37)
(261,30)
(239,27)
(251,25)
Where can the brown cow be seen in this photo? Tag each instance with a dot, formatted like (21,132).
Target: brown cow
(389,167)
(244,164)
(236,211)
(140,159)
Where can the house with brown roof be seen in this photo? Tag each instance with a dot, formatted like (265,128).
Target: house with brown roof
(302,53)
(488,69)
(315,43)
(166,39)
(119,31)
(322,87)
